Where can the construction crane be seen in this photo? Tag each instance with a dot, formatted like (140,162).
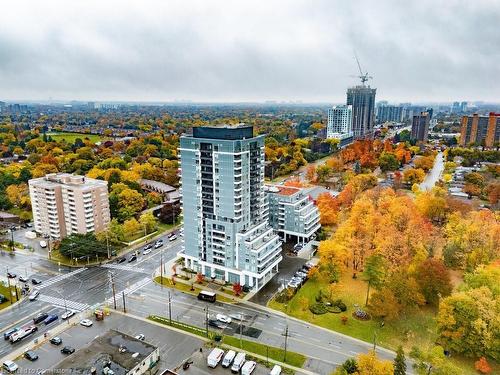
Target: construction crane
(364,77)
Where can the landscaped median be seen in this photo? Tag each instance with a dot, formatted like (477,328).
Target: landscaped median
(186,287)
(271,352)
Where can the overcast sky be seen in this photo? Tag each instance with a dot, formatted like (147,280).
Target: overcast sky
(419,50)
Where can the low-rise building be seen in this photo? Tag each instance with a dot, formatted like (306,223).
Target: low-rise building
(65,204)
(113,353)
(292,212)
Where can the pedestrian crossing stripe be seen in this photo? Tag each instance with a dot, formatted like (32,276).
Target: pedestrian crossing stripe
(123,267)
(58,278)
(65,304)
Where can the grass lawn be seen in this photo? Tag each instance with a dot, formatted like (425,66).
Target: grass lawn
(187,289)
(70,137)
(418,329)
(4,290)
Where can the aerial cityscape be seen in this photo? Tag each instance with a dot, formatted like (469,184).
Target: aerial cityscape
(279,187)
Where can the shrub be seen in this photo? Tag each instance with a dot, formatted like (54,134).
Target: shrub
(318,309)
(341,305)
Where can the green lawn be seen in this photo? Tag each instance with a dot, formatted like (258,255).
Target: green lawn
(418,329)
(70,137)
(187,289)
(4,290)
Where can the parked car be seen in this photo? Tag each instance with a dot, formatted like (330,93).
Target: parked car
(276,370)
(68,314)
(228,358)
(214,357)
(36,281)
(223,318)
(10,366)
(56,340)
(11,275)
(238,363)
(248,367)
(86,322)
(40,318)
(43,244)
(7,334)
(30,355)
(140,337)
(67,350)
(51,318)
(34,295)
(23,279)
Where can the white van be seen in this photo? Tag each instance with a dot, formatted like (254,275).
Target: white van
(248,367)
(276,370)
(43,244)
(214,357)
(238,362)
(228,358)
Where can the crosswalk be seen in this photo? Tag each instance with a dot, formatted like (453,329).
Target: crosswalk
(131,289)
(58,278)
(60,302)
(124,267)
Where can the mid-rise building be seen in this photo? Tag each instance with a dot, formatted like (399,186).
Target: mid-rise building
(480,130)
(420,127)
(226,229)
(362,100)
(292,213)
(65,204)
(339,124)
(389,113)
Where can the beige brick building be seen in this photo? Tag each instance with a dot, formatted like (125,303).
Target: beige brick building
(65,204)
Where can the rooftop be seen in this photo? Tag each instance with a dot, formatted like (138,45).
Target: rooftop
(228,132)
(69,179)
(115,350)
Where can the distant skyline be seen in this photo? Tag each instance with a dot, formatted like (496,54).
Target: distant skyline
(249,51)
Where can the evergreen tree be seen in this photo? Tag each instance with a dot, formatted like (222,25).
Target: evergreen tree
(400,362)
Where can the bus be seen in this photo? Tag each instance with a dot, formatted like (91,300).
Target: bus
(207,296)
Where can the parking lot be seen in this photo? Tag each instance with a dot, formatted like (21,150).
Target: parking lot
(175,347)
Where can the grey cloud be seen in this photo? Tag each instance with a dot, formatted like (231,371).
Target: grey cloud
(249,50)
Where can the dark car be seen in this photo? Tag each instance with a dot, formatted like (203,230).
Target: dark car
(7,334)
(215,323)
(40,318)
(148,246)
(121,260)
(36,281)
(67,350)
(30,355)
(3,298)
(56,340)
(49,319)
(11,275)
(132,258)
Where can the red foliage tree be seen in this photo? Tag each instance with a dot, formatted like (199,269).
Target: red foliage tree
(237,289)
(482,366)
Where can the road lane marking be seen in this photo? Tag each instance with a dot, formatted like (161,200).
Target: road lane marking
(63,304)
(56,279)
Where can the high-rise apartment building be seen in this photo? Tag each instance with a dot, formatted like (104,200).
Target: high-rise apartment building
(480,130)
(389,113)
(65,204)
(420,127)
(226,229)
(339,124)
(362,99)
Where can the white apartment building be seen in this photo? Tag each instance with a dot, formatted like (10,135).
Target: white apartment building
(339,124)
(65,204)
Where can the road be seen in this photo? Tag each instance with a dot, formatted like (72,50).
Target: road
(434,174)
(83,288)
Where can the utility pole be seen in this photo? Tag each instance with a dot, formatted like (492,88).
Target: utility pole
(161,268)
(241,330)
(12,239)
(206,320)
(10,290)
(124,308)
(107,245)
(113,288)
(286,342)
(169,308)
(374,340)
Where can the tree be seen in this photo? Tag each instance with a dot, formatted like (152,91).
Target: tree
(482,366)
(328,208)
(370,364)
(148,221)
(400,362)
(434,280)
(82,246)
(311,173)
(170,212)
(323,172)
(413,176)
(488,276)
(131,227)
(374,272)
(384,305)
(432,361)
(475,178)
(388,162)
(493,192)
(424,162)
(130,203)
(237,289)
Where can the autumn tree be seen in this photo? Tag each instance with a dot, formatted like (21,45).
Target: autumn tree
(432,361)
(400,362)
(424,162)
(237,289)
(388,162)
(434,280)
(328,208)
(384,305)
(311,173)
(374,272)
(482,366)
(370,364)
(149,222)
(413,176)
(131,227)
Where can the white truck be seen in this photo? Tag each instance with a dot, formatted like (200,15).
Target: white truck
(22,333)
(215,357)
